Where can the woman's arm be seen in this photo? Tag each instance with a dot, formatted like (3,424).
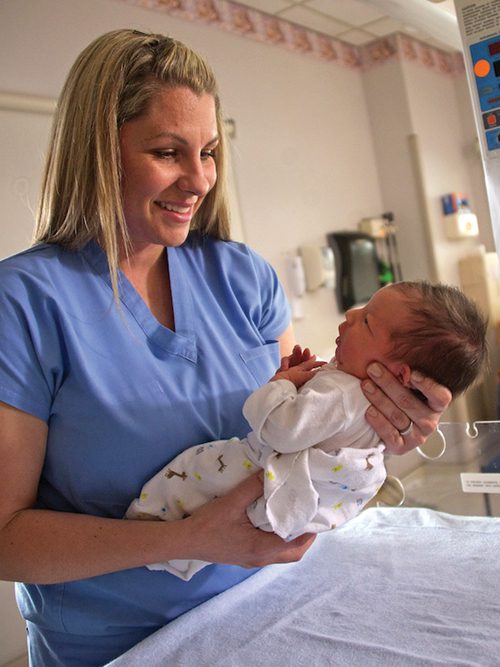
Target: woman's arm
(287,341)
(44,546)
(394,408)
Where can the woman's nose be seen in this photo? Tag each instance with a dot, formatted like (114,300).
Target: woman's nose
(195,179)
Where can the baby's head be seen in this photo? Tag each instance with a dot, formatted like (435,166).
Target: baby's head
(409,326)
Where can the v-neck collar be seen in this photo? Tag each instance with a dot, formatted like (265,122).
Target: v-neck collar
(182,341)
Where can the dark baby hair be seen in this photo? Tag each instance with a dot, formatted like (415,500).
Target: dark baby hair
(446,339)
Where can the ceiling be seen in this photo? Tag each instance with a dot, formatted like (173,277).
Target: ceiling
(358,22)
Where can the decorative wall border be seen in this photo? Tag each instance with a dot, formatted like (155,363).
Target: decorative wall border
(403,47)
(253,24)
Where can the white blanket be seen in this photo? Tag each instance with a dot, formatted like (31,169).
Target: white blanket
(391,588)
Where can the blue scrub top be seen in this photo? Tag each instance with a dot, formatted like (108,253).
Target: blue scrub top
(123,395)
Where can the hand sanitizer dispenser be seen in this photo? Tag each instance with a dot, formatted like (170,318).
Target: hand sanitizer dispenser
(319,267)
(296,284)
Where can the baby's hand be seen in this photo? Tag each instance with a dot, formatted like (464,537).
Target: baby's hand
(297,357)
(298,374)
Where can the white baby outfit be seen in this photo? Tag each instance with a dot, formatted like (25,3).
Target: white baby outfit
(322,462)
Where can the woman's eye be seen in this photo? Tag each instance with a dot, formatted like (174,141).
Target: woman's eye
(207,154)
(165,155)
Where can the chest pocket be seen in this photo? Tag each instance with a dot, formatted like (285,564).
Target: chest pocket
(262,361)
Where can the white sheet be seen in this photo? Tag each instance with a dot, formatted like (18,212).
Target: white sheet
(394,587)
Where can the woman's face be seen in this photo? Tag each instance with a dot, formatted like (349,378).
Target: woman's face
(168,166)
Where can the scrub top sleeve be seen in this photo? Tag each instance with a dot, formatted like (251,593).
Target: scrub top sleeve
(24,384)
(274,309)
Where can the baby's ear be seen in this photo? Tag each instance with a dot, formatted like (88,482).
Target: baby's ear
(402,371)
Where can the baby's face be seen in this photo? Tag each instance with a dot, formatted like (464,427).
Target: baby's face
(364,336)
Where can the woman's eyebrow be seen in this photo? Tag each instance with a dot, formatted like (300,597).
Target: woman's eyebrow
(177,137)
(167,135)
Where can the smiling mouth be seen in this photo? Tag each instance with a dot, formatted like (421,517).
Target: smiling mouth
(172,207)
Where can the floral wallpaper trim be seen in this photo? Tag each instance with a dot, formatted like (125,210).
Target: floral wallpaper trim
(403,47)
(253,24)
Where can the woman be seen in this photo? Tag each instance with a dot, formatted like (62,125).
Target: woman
(130,330)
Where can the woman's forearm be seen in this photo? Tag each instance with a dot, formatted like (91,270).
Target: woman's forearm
(44,547)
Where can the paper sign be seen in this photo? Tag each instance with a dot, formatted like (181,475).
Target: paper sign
(480,482)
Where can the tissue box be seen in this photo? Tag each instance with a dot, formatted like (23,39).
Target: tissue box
(461,225)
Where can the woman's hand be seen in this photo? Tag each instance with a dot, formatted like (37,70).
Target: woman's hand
(402,420)
(224,533)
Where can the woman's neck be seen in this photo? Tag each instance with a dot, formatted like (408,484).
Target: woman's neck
(149,274)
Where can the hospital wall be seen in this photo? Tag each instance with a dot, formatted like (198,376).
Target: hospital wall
(318,146)
(426,146)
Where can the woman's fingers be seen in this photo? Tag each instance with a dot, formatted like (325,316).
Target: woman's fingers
(224,533)
(438,397)
(247,491)
(395,408)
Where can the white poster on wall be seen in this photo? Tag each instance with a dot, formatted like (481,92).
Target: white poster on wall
(24,133)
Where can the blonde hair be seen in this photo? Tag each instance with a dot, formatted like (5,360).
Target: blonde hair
(112,82)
